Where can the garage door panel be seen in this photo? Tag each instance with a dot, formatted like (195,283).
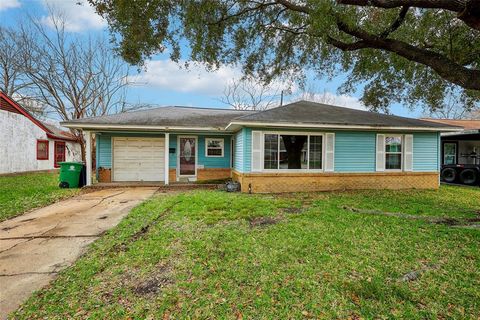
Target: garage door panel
(138,159)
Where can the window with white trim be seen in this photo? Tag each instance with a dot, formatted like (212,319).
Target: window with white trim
(393,152)
(292,152)
(214,147)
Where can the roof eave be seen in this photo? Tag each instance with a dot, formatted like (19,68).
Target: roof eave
(98,126)
(235,125)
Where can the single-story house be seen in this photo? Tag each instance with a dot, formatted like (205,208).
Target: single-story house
(463,145)
(28,144)
(302,146)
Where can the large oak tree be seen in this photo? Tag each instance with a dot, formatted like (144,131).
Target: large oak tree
(407,51)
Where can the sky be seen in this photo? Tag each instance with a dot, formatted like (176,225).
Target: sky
(165,82)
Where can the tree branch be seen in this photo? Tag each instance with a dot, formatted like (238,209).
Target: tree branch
(446,68)
(467,10)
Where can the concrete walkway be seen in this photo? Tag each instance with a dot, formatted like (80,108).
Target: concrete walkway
(34,247)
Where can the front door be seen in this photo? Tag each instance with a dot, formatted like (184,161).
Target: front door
(187,160)
(59,154)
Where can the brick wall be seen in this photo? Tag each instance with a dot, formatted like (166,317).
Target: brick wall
(205,174)
(104,175)
(297,182)
(213,173)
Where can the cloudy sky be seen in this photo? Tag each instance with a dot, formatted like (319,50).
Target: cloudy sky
(164,82)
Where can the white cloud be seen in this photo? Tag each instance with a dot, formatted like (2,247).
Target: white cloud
(168,75)
(79,15)
(9,4)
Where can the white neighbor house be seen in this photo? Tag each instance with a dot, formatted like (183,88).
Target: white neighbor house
(27,144)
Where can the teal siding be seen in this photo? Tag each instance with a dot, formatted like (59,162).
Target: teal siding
(104,145)
(214,162)
(426,152)
(243,149)
(104,151)
(355,151)
(207,162)
(172,157)
(239,151)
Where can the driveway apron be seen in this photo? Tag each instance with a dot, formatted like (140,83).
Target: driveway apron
(35,246)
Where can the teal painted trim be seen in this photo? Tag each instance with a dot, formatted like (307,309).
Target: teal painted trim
(355,151)
(426,152)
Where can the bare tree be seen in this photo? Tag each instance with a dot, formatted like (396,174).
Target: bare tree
(73,76)
(13,81)
(248,94)
(311,95)
(456,105)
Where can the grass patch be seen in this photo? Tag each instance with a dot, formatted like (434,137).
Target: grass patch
(19,193)
(211,254)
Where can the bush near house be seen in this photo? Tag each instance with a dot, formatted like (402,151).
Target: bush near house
(22,192)
(349,255)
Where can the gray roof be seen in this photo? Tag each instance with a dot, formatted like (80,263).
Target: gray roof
(169,116)
(301,112)
(304,112)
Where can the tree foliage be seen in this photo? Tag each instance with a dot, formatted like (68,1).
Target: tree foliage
(406,51)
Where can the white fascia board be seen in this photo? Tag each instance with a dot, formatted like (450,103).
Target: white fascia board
(236,124)
(462,132)
(87,126)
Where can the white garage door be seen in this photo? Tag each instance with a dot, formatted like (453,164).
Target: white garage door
(138,159)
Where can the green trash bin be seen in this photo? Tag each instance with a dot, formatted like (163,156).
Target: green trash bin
(70,174)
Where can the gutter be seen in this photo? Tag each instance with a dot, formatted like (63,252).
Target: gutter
(92,126)
(339,126)
(232,127)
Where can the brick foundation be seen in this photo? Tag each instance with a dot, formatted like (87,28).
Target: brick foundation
(172,175)
(204,174)
(213,174)
(104,175)
(298,182)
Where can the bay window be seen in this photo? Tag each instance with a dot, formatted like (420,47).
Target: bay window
(292,152)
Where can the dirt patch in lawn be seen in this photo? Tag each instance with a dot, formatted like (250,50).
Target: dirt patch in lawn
(160,278)
(292,210)
(453,222)
(263,221)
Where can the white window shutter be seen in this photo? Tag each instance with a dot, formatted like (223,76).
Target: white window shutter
(329,152)
(380,158)
(257,146)
(408,153)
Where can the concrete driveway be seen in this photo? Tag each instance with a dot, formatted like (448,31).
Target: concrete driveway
(34,247)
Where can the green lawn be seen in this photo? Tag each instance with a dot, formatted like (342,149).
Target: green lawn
(210,254)
(20,193)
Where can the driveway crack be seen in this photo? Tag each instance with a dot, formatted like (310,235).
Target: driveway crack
(16,244)
(107,197)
